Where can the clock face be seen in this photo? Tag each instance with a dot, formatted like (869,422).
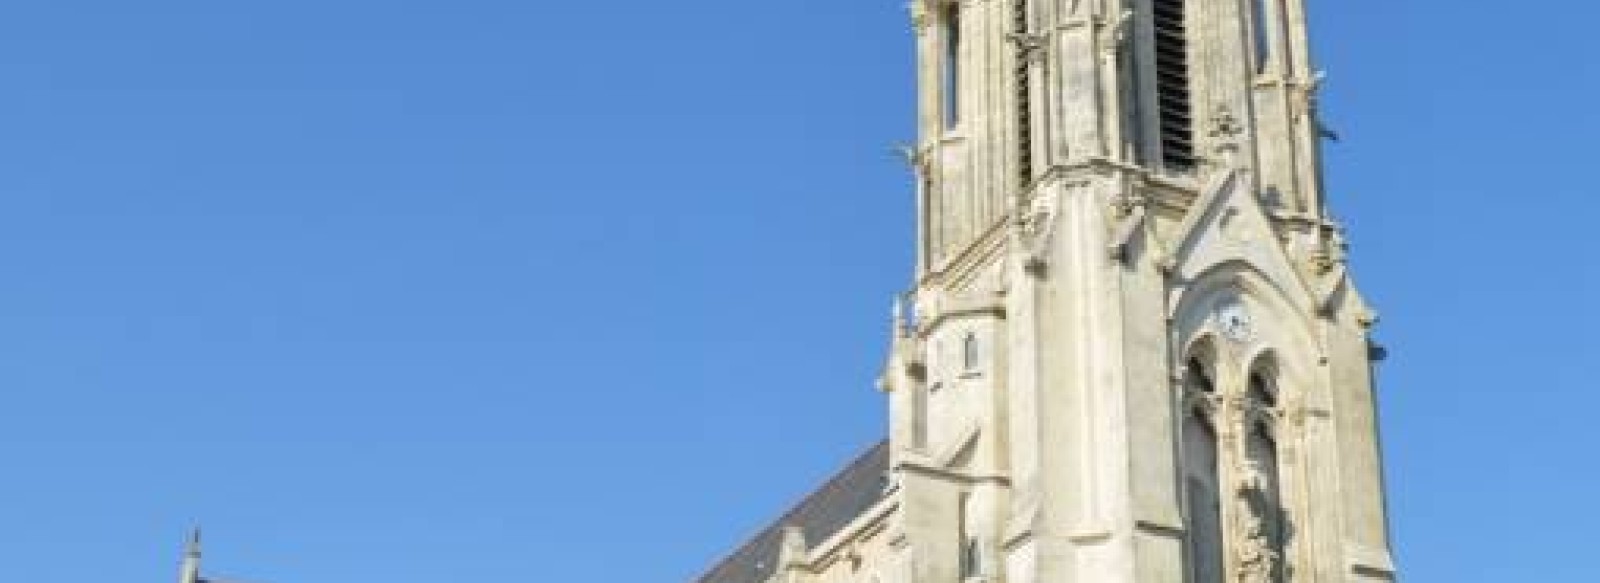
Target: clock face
(1235,322)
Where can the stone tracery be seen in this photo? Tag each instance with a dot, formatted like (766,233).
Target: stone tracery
(1230,434)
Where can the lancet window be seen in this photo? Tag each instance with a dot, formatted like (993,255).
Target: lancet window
(1201,475)
(950,85)
(1262,525)
(1261,34)
(1230,461)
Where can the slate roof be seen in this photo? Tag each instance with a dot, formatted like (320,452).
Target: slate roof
(822,514)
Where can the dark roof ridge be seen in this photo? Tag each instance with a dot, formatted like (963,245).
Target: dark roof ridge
(809,513)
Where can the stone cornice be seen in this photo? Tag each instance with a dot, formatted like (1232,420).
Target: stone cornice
(1098,167)
(1367,561)
(870,523)
(995,309)
(961,267)
(953,475)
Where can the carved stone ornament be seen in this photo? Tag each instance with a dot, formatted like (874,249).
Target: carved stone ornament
(1225,129)
(1235,322)
(1035,226)
(921,15)
(1233,416)
(1206,404)
(1123,204)
(1030,47)
(1305,102)
(1116,33)
(1128,211)
(1338,246)
(1322,262)
(1296,417)
(917,159)
(1255,556)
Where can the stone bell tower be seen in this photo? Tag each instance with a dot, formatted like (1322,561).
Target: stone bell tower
(1133,351)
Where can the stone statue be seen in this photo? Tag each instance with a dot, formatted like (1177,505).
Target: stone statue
(1257,555)
(1257,560)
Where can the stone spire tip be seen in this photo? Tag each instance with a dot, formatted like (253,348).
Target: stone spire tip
(193,547)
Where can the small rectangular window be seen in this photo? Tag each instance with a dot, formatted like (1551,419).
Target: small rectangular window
(971,358)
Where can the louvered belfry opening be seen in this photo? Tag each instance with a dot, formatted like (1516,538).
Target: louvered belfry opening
(1024,74)
(1172,85)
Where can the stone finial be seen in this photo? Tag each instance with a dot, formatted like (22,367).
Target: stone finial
(921,15)
(1305,102)
(792,551)
(190,572)
(915,158)
(898,317)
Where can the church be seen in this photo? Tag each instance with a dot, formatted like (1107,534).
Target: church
(1133,351)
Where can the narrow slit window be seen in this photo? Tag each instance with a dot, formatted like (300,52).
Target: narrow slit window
(919,417)
(970,353)
(1260,25)
(971,559)
(952,67)
(1024,74)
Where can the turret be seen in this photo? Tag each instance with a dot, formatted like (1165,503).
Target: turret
(190,572)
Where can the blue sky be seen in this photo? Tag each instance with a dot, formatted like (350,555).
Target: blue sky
(433,291)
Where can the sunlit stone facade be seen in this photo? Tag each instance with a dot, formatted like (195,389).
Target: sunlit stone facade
(1133,351)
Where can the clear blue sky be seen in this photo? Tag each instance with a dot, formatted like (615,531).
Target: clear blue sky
(436,291)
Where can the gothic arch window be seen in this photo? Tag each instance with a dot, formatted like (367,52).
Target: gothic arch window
(1266,511)
(1203,502)
(1264,525)
(1199,455)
